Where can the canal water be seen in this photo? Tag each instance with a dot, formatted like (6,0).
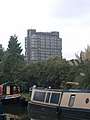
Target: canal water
(21,113)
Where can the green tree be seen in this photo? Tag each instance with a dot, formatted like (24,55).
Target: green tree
(51,72)
(82,62)
(1,61)
(1,52)
(13,60)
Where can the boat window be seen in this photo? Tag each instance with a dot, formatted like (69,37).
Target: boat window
(71,101)
(55,98)
(8,90)
(87,100)
(1,90)
(39,96)
(47,97)
(14,90)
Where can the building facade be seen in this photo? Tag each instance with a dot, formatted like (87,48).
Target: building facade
(42,45)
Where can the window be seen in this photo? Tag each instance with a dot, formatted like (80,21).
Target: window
(42,46)
(47,97)
(71,101)
(39,96)
(42,37)
(1,89)
(87,100)
(47,46)
(42,58)
(8,90)
(55,98)
(34,36)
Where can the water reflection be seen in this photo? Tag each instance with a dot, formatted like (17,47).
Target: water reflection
(14,109)
(35,117)
(21,113)
(14,112)
(15,117)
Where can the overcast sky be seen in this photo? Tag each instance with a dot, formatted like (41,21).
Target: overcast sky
(70,17)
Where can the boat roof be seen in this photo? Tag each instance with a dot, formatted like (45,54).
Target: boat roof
(79,91)
(9,84)
(61,90)
(47,89)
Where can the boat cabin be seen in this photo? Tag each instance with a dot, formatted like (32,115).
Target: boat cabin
(45,101)
(48,97)
(9,89)
(9,93)
(76,103)
(76,99)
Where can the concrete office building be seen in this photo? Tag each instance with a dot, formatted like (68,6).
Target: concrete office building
(42,45)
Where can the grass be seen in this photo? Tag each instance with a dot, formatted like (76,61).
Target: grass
(26,95)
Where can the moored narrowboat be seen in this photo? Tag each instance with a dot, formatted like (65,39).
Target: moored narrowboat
(9,93)
(75,103)
(45,101)
(67,103)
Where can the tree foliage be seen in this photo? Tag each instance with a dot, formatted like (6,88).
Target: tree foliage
(83,63)
(52,72)
(13,60)
(55,72)
(1,60)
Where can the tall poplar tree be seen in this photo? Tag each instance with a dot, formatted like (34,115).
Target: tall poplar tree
(1,60)
(13,60)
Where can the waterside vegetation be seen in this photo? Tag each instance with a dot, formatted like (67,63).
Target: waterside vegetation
(55,72)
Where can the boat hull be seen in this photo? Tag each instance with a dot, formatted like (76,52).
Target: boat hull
(11,101)
(15,101)
(38,109)
(74,112)
(2,117)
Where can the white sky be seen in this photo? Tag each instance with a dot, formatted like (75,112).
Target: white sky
(70,17)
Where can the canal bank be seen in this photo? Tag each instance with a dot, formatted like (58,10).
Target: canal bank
(26,96)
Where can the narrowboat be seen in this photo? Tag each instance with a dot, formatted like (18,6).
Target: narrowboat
(45,101)
(59,103)
(75,103)
(9,93)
